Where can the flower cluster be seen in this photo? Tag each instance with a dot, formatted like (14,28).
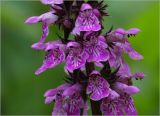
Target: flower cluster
(110,87)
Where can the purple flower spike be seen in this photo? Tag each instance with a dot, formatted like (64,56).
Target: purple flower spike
(120,87)
(86,21)
(51,2)
(76,57)
(98,87)
(53,57)
(96,48)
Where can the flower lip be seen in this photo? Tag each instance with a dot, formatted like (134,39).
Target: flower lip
(85,6)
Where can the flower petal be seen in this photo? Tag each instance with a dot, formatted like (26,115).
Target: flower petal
(51,1)
(133,31)
(52,59)
(33,19)
(131,52)
(98,87)
(85,6)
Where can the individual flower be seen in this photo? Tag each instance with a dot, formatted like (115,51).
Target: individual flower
(76,57)
(52,2)
(123,105)
(54,56)
(95,46)
(86,20)
(98,87)
(118,37)
(46,19)
(65,102)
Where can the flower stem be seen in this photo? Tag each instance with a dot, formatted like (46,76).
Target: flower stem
(95,105)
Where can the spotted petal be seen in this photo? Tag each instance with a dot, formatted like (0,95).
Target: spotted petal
(98,87)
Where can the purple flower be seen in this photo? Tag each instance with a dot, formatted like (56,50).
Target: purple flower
(66,103)
(124,88)
(46,19)
(76,57)
(98,87)
(118,38)
(95,47)
(121,106)
(86,20)
(51,2)
(54,56)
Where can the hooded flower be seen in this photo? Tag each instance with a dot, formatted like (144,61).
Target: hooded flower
(86,20)
(76,57)
(98,87)
(46,19)
(95,47)
(54,56)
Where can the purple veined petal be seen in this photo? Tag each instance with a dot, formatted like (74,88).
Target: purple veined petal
(111,107)
(76,57)
(102,42)
(125,88)
(98,87)
(85,6)
(73,104)
(38,46)
(45,32)
(128,104)
(131,52)
(49,100)
(133,31)
(139,75)
(87,21)
(97,53)
(52,59)
(51,1)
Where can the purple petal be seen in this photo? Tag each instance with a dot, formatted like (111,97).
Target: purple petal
(133,31)
(87,21)
(131,52)
(85,6)
(98,87)
(76,57)
(52,59)
(71,90)
(124,70)
(38,46)
(111,107)
(33,19)
(125,88)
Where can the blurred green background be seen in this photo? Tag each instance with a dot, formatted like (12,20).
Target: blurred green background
(22,91)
